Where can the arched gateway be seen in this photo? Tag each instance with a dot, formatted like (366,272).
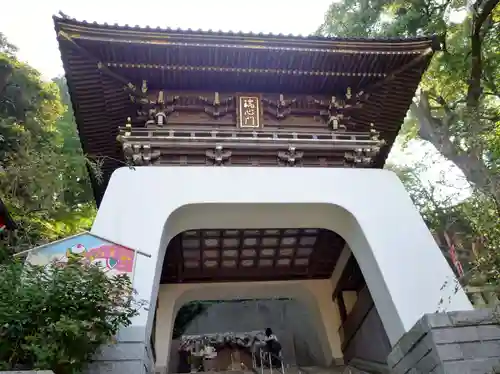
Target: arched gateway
(255,172)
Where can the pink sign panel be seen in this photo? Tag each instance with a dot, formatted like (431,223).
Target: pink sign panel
(113,258)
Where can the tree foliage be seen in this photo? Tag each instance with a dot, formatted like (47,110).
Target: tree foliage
(43,172)
(56,318)
(186,314)
(472,219)
(457,108)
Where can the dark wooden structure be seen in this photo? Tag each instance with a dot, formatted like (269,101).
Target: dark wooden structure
(245,255)
(184,97)
(6,221)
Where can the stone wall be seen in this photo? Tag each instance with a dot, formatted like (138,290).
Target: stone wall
(289,319)
(130,355)
(28,372)
(451,343)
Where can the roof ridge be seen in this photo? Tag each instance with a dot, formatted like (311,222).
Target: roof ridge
(62,18)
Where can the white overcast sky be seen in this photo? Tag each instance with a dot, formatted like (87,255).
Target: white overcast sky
(28,24)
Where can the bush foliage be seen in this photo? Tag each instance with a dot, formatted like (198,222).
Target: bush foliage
(56,317)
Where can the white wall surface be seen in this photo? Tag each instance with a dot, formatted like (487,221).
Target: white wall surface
(145,207)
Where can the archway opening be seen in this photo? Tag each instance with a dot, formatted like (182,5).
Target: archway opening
(255,260)
(234,329)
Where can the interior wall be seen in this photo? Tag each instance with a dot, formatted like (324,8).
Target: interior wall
(289,319)
(315,295)
(362,333)
(370,342)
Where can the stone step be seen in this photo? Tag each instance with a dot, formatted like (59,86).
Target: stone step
(341,369)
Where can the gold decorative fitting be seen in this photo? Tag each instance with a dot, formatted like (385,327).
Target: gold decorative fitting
(100,65)
(144,87)
(161,119)
(161,99)
(128,127)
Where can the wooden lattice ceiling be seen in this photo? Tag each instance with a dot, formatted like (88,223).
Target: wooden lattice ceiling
(251,254)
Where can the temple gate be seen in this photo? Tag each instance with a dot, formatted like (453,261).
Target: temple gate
(248,166)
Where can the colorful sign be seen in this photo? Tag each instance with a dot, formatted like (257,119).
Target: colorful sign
(113,258)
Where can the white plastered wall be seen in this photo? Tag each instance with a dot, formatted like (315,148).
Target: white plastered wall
(145,207)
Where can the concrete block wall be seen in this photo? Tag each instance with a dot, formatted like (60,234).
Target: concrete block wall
(450,343)
(27,372)
(131,354)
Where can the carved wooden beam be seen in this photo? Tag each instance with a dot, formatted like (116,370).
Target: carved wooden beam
(291,156)
(364,156)
(218,156)
(140,155)
(280,108)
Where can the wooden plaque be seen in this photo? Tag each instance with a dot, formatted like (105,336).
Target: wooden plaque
(249,112)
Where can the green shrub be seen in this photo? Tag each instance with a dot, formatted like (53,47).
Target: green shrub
(56,318)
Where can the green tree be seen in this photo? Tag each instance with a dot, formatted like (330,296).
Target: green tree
(457,109)
(473,218)
(56,318)
(43,171)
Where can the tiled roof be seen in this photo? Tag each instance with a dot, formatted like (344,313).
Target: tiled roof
(125,27)
(101,59)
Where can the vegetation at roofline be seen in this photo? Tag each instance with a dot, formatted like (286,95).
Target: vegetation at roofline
(56,318)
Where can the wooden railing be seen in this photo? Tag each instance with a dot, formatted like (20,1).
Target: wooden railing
(483,296)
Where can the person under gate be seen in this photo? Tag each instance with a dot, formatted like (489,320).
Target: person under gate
(272,347)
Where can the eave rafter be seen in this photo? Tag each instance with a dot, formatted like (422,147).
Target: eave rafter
(218,69)
(127,85)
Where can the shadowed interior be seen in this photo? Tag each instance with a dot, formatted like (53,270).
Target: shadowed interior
(251,254)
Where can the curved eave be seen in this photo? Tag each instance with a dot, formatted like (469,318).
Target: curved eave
(149,33)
